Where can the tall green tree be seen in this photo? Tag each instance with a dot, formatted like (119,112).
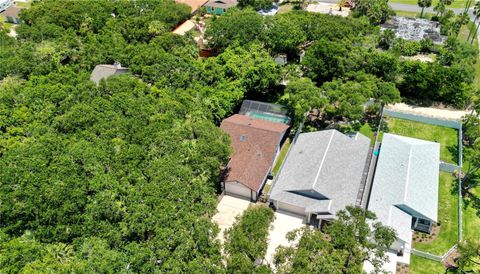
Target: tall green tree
(343,246)
(301,95)
(240,27)
(424,4)
(377,11)
(246,242)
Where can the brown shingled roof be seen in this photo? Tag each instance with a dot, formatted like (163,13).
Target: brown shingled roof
(254,143)
(194,4)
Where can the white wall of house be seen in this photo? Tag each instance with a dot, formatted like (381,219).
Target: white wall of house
(238,189)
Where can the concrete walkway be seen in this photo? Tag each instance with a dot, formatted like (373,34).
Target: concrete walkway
(283,223)
(228,208)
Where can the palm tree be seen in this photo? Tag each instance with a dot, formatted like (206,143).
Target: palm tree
(424,4)
(476,13)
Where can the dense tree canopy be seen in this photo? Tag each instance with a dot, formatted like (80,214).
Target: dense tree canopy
(122,176)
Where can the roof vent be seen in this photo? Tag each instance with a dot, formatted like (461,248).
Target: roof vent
(243,138)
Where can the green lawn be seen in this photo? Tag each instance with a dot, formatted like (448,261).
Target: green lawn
(23,4)
(413,14)
(447,216)
(419,265)
(471,222)
(368,131)
(447,137)
(281,157)
(455,4)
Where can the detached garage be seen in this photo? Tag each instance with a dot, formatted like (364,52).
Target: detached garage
(238,189)
(255,143)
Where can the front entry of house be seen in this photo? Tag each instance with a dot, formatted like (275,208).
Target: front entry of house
(422,225)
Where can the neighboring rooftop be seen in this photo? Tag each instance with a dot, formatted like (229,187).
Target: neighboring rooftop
(194,4)
(221,3)
(104,71)
(12,11)
(405,183)
(323,172)
(254,142)
(415,29)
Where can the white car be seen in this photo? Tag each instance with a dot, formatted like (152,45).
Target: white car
(5,4)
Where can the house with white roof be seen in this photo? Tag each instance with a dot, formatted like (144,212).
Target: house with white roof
(404,193)
(322,174)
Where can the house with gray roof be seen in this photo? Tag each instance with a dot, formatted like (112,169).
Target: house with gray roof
(404,193)
(219,7)
(104,71)
(322,174)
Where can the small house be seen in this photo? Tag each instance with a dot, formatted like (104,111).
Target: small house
(195,5)
(219,7)
(12,15)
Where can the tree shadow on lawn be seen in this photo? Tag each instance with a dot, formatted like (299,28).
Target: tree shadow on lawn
(454,152)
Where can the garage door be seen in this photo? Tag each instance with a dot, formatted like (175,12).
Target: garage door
(291,209)
(237,189)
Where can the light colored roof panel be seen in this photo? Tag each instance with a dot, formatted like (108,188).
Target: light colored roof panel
(327,162)
(221,3)
(406,176)
(104,71)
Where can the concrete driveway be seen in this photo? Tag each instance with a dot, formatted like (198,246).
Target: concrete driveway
(228,208)
(284,222)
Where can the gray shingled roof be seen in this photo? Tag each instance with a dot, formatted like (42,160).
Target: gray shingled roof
(104,71)
(221,3)
(322,172)
(405,183)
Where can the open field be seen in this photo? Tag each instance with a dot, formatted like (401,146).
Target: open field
(447,216)
(447,137)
